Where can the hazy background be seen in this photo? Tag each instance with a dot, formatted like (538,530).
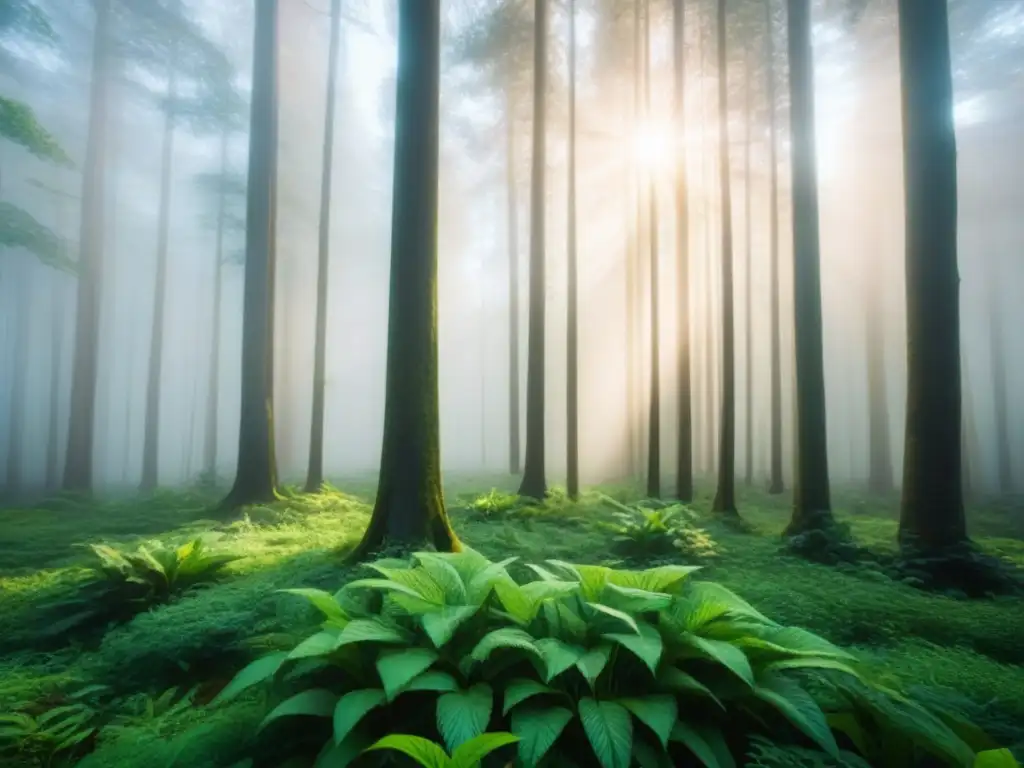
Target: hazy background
(859,144)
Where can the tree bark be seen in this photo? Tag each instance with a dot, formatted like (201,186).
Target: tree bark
(654,403)
(410,504)
(256,476)
(932,509)
(812,507)
(572,340)
(775,483)
(514,449)
(57,332)
(725,495)
(684,385)
(82,410)
(151,430)
(534,483)
(19,381)
(315,471)
(1000,404)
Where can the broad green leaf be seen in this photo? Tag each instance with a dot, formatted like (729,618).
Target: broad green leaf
(473,751)
(538,730)
(609,730)
(397,668)
(441,625)
(715,739)
(444,574)
(729,656)
(432,680)
(255,673)
(323,602)
(341,755)
(706,601)
(521,689)
(691,738)
(663,578)
(620,616)
(810,662)
(539,591)
(847,724)
(505,637)
(558,656)
(320,644)
(514,601)
(799,707)
(371,631)
(593,662)
(416,579)
(482,582)
(593,579)
(647,755)
(316,702)
(646,646)
(634,600)
(658,712)
(353,707)
(791,641)
(423,751)
(996,758)
(544,573)
(384,585)
(676,679)
(463,715)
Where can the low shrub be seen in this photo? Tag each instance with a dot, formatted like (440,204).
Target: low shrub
(583,664)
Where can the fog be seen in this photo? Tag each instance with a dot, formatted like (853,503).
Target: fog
(861,196)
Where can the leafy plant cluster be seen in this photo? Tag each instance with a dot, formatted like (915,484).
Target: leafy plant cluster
(582,665)
(123,584)
(52,732)
(645,532)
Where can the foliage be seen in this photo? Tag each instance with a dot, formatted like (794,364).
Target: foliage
(642,532)
(450,647)
(18,124)
(830,543)
(124,584)
(959,571)
(19,229)
(430,755)
(26,17)
(493,504)
(62,729)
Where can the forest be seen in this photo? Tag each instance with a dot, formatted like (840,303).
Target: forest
(511,383)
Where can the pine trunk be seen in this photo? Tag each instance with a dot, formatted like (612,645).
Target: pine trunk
(572,341)
(775,483)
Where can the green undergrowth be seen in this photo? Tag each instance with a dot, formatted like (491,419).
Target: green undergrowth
(196,642)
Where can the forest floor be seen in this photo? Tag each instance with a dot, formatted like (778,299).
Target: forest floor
(970,652)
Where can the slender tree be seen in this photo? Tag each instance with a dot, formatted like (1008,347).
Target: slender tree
(534,483)
(748,297)
(78,458)
(812,506)
(410,504)
(932,508)
(514,449)
(775,483)
(154,373)
(19,380)
(315,471)
(572,341)
(725,495)
(256,475)
(1000,404)
(880,478)
(654,401)
(684,386)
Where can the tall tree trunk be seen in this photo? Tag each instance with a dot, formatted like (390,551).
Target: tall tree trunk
(775,483)
(725,495)
(880,479)
(709,266)
(514,450)
(632,258)
(151,430)
(315,472)
(213,383)
(19,380)
(654,404)
(969,438)
(57,298)
(256,476)
(748,331)
(812,507)
(572,351)
(410,504)
(684,385)
(534,483)
(997,353)
(932,509)
(81,417)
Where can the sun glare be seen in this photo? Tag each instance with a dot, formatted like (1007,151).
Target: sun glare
(652,144)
